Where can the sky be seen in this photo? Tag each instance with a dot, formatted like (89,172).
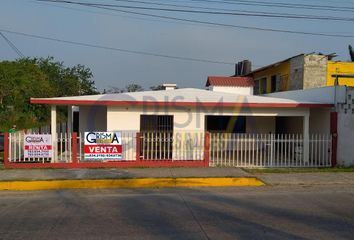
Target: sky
(111,68)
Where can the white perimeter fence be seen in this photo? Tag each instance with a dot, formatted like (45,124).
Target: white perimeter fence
(269,150)
(226,149)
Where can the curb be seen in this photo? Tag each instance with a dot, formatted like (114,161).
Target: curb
(131,183)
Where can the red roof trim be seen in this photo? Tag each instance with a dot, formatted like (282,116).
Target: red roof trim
(178,104)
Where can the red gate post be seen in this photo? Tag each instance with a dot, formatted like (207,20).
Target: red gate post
(334,133)
(206,149)
(6,149)
(74,150)
(137,139)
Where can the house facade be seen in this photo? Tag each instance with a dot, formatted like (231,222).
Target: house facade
(188,110)
(224,125)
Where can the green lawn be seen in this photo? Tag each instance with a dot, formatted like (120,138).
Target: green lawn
(298,170)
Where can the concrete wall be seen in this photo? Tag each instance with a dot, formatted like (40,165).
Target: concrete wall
(187,118)
(236,90)
(315,71)
(92,118)
(296,75)
(345,154)
(345,148)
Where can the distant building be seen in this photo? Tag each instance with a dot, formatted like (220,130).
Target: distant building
(303,71)
(237,85)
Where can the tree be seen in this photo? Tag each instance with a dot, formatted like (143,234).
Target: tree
(113,89)
(38,77)
(19,81)
(351,53)
(157,87)
(134,88)
(68,81)
(129,88)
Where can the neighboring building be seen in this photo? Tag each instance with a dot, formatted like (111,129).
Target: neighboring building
(303,71)
(238,85)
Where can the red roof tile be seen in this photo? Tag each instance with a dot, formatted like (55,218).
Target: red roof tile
(230,81)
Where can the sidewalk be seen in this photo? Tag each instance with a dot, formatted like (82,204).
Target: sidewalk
(306,179)
(117,173)
(164,177)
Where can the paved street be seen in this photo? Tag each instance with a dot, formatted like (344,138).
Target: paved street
(282,212)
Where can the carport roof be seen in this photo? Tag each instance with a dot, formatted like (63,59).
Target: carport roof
(180,97)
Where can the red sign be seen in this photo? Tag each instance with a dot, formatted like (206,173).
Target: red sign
(103,149)
(103,146)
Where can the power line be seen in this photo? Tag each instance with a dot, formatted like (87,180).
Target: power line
(123,15)
(118,49)
(138,18)
(18,52)
(198,7)
(281,5)
(212,8)
(234,13)
(211,23)
(231,13)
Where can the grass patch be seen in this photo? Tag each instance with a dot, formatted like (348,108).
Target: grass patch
(298,170)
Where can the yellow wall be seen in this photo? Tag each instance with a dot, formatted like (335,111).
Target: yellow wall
(340,68)
(281,69)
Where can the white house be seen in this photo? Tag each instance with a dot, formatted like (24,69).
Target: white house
(194,109)
(258,125)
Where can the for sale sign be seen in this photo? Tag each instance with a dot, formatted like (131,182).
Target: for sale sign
(37,146)
(103,146)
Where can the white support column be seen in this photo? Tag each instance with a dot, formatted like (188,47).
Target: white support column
(53,128)
(70,119)
(306,136)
